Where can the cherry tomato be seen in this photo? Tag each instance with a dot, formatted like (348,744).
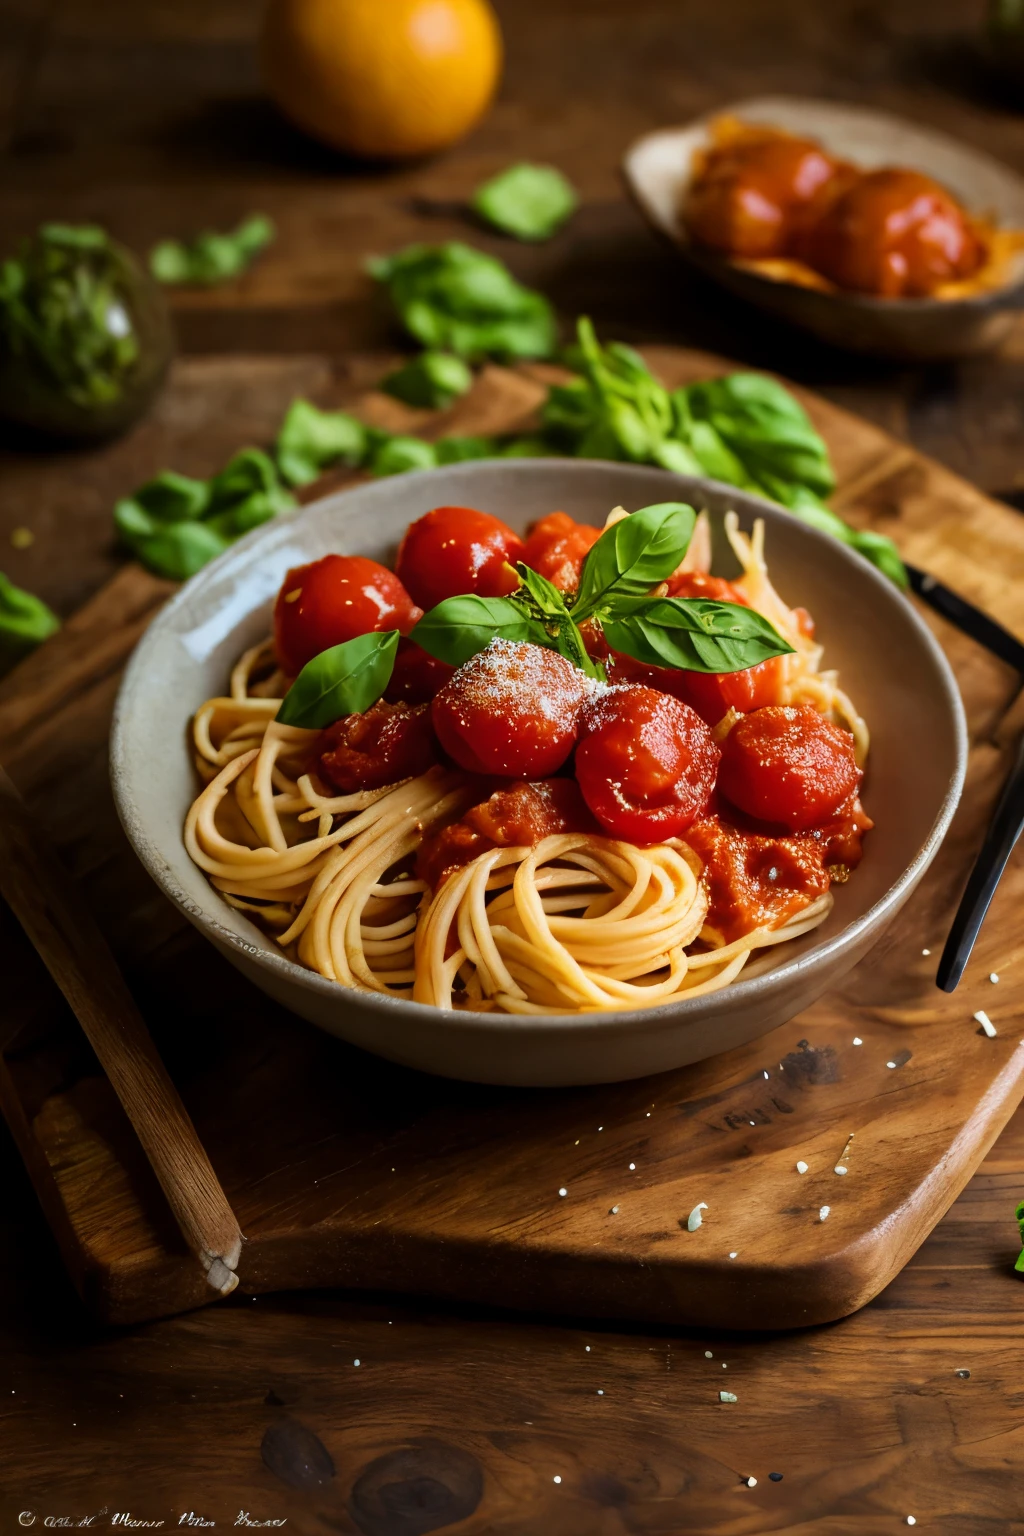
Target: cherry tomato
(645,762)
(417,675)
(556,547)
(455,550)
(896,234)
(700,584)
(711,694)
(336,599)
(788,766)
(511,710)
(388,743)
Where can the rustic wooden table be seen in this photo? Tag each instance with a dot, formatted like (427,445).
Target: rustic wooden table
(388,1418)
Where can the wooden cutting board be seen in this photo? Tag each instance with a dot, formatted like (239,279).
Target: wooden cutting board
(347,1171)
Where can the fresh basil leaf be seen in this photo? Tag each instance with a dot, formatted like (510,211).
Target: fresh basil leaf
(634,555)
(882,552)
(311,439)
(454,298)
(530,202)
(171,498)
(766,428)
(211,258)
(25,622)
(526,447)
(400,454)
(179,550)
(693,634)
(256,508)
(432,380)
(344,680)
(460,450)
(459,627)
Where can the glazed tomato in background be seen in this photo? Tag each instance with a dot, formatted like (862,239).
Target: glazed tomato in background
(753,195)
(452,551)
(388,743)
(556,546)
(895,234)
(788,766)
(417,676)
(511,710)
(645,762)
(333,600)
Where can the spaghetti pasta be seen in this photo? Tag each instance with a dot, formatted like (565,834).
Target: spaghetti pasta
(573,921)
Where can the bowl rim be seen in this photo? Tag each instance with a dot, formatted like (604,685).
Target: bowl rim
(1009,295)
(668,1015)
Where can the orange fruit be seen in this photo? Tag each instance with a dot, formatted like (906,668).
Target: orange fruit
(382,78)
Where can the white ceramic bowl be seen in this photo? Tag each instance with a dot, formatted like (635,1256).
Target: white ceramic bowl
(888,659)
(657,170)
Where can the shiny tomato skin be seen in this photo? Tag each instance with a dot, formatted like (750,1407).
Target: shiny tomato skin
(787,766)
(700,584)
(417,676)
(645,762)
(556,546)
(335,599)
(452,551)
(388,743)
(511,710)
(711,694)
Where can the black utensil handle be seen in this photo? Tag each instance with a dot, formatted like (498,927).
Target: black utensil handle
(1004,830)
(970,620)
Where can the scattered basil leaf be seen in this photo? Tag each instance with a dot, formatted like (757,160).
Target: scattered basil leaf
(179,550)
(174,524)
(344,680)
(400,454)
(460,450)
(525,447)
(461,626)
(766,428)
(694,634)
(211,258)
(633,555)
(432,380)
(244,515)
(25,622)
(530,202)
(84,335)
(454,298)
(311,439)
(168,498)
(1019,1214)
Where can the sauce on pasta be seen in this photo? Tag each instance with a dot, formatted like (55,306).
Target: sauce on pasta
(518,833)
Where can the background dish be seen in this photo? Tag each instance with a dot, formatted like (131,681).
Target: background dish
(657,169)
(887,657)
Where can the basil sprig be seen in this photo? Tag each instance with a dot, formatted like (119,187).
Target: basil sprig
(630,557)
(634,554)
(344,680)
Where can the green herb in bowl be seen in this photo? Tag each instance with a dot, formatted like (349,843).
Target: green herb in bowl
(85,339)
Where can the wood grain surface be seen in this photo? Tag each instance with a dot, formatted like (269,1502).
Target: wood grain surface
(375,1178)
(149,117)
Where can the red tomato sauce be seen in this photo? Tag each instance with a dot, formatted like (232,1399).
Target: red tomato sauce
(755,879)
(513,816)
